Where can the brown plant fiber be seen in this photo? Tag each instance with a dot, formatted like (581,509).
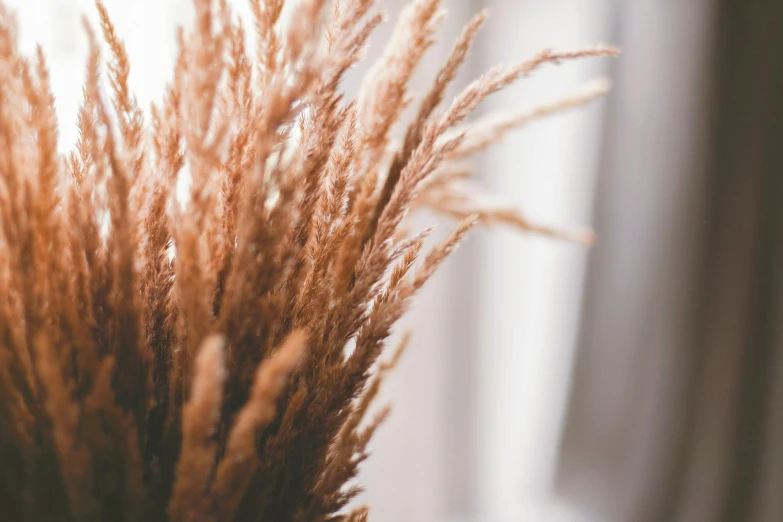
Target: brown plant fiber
(169,355)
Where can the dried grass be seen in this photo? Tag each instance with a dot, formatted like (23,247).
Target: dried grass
(167,358)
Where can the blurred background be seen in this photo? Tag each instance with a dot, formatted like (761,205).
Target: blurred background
(640,379)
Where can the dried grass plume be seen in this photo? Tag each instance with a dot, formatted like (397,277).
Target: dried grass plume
(182,357)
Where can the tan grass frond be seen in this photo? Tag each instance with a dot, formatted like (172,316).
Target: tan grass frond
(460,198)
(489,130)
(199,422)
(240,459)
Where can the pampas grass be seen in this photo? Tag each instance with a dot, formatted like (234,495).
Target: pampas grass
(181,354)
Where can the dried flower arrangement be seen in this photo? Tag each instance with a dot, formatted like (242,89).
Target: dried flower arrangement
(185,358)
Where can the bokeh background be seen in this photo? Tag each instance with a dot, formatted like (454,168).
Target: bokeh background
(637,380)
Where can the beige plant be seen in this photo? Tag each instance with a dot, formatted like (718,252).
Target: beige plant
(186,358)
